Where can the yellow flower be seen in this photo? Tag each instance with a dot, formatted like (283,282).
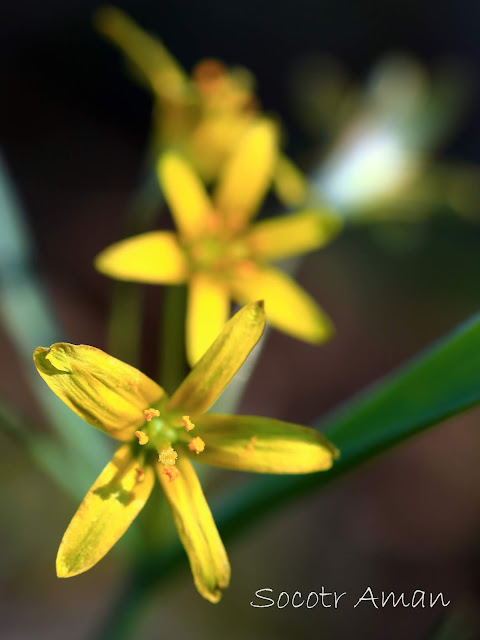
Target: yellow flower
(220,254)
(130,407)
(205,115)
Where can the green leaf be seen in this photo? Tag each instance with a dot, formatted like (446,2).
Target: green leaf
(439,383)
(28,320)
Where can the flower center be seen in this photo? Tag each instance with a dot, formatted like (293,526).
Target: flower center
(159,431)
(218,253)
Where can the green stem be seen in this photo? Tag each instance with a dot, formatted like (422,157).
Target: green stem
(172,362)
(121,622)
(126,313)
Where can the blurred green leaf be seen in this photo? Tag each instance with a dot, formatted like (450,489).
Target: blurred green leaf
(462,623)
(439,383)
(27,317)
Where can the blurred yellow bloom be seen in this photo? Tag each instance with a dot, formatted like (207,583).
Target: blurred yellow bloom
(203,116)
(218,251)
(127,405)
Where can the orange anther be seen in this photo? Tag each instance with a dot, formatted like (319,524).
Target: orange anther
(245,268)
(209,74)
(188,423)
(171,472)
(142,437)
(151,413)
(197,445)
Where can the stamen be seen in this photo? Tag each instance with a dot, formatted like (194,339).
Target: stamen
(140,474)
(171,472)
(151,413)
(245,268)
(168,457)
(142,437)
(213,222)
(197,445)
(188,423)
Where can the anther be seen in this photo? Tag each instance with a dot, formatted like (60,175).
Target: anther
(140,474)
(168,457)
(197,445)
(188,423)
(151,413)
(171,472)
(245,268)
(142,437)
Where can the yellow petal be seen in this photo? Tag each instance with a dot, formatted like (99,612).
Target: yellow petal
(220,363)
(150,58)
(188,200)
(155,258)
(247,174)
(289,183)
(104,391)
(292,234)
(288,307)
(197,530)
(108,509)
(251,443)
(207,312)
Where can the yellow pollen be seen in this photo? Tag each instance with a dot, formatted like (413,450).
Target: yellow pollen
(168,457)
(188,423)
(171,472)
(142,437)
(140,474)
(151,413)
(197,445)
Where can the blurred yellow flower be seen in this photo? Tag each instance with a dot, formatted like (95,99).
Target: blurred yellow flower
(129,406)
(203,116)
(218,251)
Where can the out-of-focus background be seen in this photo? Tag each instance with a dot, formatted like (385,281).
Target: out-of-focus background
(73,129)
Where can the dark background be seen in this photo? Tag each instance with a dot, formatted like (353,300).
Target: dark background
(73,128)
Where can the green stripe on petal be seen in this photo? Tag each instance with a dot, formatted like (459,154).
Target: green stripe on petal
(197,530)
(220,363)
(264,445)
(104,391)
(108,509)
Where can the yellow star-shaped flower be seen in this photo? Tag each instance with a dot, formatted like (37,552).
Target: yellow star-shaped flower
(220,253)
(155,432)
(204,115)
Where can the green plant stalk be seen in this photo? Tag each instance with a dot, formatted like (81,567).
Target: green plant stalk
(124,333)
(172,363)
